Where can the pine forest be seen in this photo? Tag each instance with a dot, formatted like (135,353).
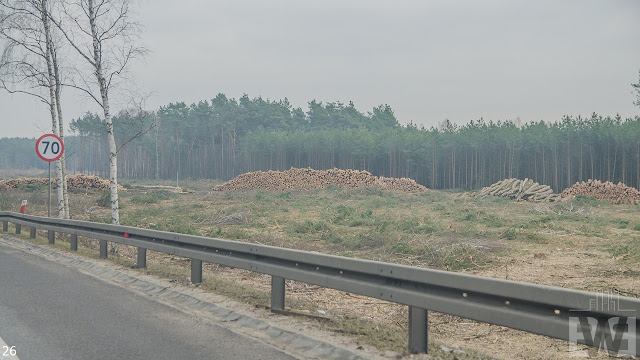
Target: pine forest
(224,137)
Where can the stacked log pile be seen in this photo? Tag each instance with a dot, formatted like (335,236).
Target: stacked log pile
(77,182)
(310,179)
(89,182)
(613,193)
(13,183)
(520,190)
(399,184)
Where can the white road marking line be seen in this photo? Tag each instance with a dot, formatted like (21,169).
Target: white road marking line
(5,351)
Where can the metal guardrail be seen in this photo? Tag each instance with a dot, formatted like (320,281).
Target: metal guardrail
(594,319)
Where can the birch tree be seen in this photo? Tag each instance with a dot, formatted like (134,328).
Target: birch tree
(105,37)
(29,65)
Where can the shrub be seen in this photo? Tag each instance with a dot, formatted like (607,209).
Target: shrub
(308,226)
(104,199)
(343,213)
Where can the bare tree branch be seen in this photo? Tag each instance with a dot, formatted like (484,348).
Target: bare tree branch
(4,87)
(84,90)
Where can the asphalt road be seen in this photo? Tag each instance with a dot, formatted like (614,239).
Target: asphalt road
(49,311)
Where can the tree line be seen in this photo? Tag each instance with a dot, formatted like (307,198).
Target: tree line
(225,137)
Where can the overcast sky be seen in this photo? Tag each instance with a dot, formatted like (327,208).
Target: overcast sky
(429,60)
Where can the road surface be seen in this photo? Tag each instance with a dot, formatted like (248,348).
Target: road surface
(49,311)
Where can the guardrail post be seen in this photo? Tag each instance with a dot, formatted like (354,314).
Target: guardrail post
(18,228)
(196,271)
(142,258)
(103,249)
(52,237)
(5,226)
(418,336)
(32,232)
(277,293)
(74,242)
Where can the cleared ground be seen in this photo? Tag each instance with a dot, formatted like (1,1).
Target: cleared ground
(583,244)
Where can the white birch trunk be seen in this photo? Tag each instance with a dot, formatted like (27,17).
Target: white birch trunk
(113,163)
(63,161)
(104,93)
(52,104)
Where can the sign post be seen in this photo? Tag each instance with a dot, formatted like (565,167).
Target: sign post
(49,148)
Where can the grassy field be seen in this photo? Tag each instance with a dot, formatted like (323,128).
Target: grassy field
(433,229)
(560,244)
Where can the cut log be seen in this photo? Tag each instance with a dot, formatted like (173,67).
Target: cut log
(518,190)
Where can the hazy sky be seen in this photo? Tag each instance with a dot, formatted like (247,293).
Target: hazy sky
(429,60)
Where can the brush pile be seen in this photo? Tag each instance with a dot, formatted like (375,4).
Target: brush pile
(310,179)
(520,190)
(613,193)
(77,182)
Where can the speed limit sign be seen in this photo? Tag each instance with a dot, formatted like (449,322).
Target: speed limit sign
(49,147)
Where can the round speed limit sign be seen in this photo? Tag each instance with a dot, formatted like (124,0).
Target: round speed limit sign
(49,147)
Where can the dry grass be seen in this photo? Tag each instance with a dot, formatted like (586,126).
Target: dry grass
(582,244)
